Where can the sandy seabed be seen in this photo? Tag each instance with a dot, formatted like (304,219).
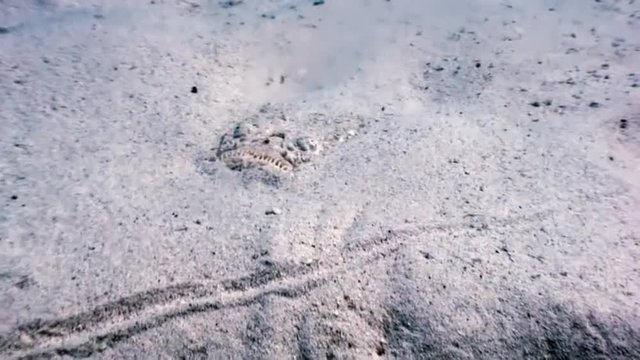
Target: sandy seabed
(289,179)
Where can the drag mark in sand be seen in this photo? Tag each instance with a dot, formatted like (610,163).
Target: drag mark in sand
(94,331)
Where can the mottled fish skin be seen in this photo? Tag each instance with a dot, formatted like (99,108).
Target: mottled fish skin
(263,141)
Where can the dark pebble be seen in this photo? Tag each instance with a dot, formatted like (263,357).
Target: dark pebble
(594,104)
(623,123)
(23,283)
(194,90)
(535,104)
(318,2)
(14,197)
(230,3)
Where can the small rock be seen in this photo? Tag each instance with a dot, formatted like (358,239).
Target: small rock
(230,3)
(623,123)
(194,90)
(273,211)
(24,282)
(26,339)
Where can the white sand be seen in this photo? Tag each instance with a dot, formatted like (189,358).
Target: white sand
(476,195)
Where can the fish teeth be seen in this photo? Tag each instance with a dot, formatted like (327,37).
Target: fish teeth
(254,157)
